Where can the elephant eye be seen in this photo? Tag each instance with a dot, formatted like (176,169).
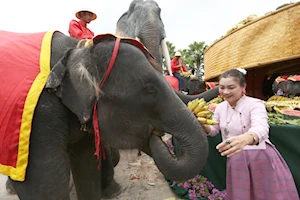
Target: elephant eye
(149,88)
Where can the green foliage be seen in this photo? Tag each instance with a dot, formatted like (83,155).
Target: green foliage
(171,49)
(191,57)
(283,5)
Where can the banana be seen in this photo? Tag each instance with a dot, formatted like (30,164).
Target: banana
(202,120)
(192,105)
(204,113)
(276,109)
(269,108)
(210,115)
(216,100)
(200,107)
(211,122)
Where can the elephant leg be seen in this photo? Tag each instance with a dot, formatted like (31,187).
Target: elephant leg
(90,182)
(110,188)
(47,174)
(9,187)
(48,170)
(115,154)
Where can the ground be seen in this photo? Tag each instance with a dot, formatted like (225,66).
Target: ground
(139,177)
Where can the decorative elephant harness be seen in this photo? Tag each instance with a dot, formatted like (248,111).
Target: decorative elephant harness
(85,43)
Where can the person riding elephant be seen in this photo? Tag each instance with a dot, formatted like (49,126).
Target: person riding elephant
(143,22)
(79,29)
(178,68)
(81,103)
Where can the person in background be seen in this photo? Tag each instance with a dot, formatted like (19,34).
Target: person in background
(255,169)
(78,29)
(177,67)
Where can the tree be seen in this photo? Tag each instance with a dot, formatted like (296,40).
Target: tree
(193,57)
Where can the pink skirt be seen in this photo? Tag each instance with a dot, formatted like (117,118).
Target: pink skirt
(259,175)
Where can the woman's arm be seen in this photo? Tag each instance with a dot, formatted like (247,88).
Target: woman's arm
(259,127)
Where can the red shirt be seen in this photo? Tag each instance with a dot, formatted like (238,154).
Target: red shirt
(78,29)
(176,64)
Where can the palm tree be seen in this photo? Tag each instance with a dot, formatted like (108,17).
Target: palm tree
(193,58)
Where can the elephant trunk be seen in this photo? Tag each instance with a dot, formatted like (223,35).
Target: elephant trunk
(207,95)
(183,126)
(152,37)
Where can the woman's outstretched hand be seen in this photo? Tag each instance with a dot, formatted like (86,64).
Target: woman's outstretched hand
(234,144)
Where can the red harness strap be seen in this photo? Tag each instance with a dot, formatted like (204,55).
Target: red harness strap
(96,125)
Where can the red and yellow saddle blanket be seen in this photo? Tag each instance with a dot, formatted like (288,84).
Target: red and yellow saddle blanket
(24,69)
(294,78)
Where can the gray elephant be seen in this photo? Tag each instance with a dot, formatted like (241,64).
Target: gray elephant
(143,22)
(128,107)
(287,85)
(279,85)
(293,86)
(194,86)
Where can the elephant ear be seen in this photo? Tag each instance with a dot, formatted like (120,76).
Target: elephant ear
(72,86)
(56,76)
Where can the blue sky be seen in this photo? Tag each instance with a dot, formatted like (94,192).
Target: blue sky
(185,21)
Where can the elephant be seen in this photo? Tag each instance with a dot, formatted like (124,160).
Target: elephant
(190,86)
(143,22)
(287,85)
(127,108)
(279,85)
(194,86)
(293,86)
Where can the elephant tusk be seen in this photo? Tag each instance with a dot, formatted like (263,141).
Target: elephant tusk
(166,55)
(138,39)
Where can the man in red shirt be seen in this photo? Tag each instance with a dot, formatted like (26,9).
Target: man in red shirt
(78,29)
(177,66)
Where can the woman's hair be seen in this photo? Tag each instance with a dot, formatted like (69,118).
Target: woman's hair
(234,73)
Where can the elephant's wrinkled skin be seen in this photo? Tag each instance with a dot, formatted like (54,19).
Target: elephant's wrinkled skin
(143,22)
(193,86)
(293,88)
(129,106)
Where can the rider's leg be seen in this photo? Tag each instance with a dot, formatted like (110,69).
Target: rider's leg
(180,80)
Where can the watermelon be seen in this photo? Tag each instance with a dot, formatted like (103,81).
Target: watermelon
(212,107)
(291,114)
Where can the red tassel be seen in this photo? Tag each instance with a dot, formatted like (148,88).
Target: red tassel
(97,136)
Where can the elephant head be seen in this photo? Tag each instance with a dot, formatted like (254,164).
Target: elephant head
(293,85)
(135,100)
(143,22)
(279,85)
(196,86)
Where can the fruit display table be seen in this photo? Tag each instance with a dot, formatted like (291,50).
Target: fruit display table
(286,139)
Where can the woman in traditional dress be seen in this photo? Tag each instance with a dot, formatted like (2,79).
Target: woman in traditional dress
(255,169)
